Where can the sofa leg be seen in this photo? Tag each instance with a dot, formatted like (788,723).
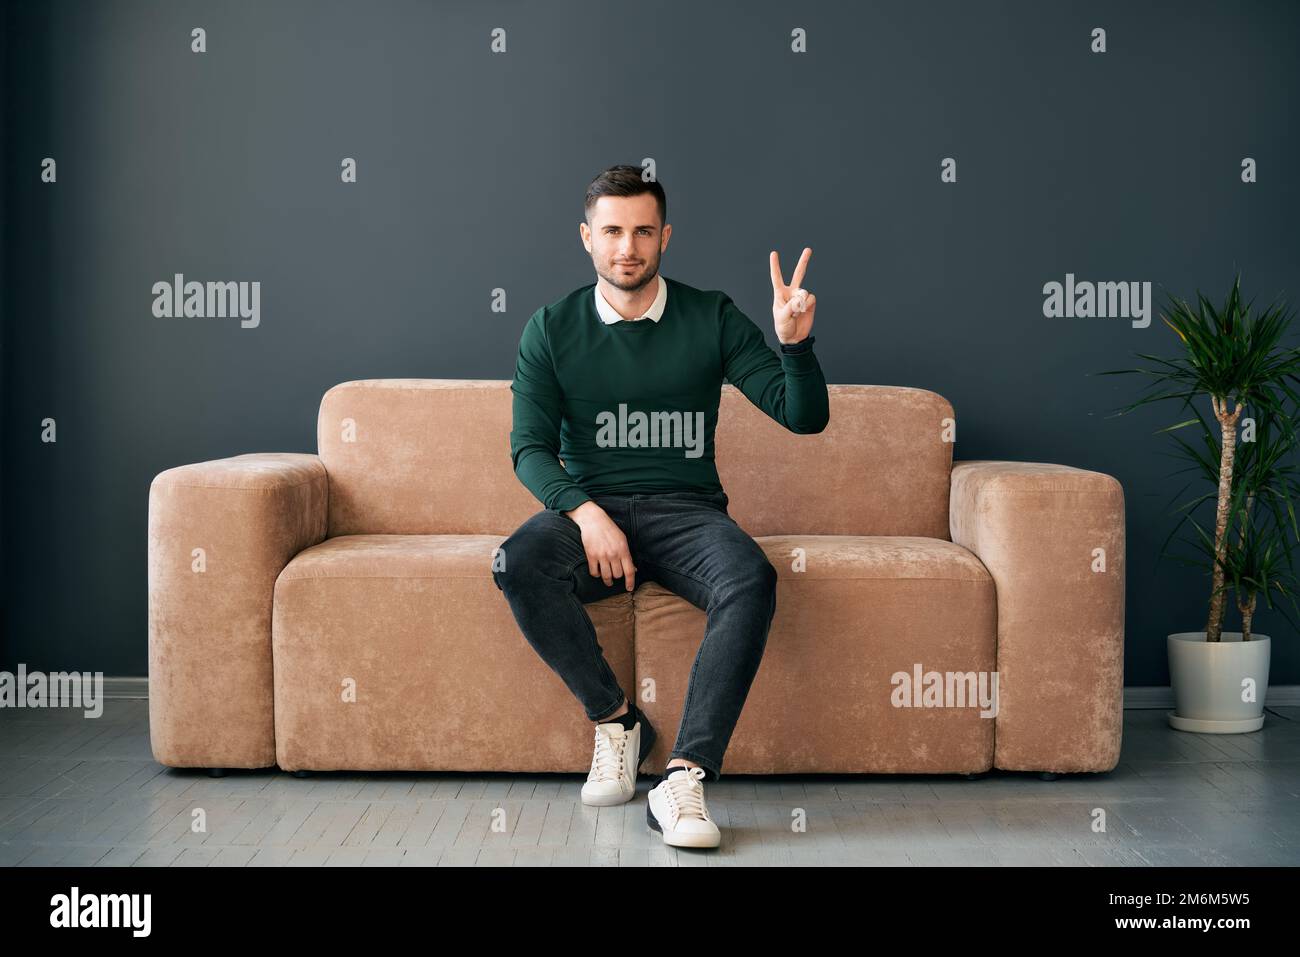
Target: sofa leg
(301,774)
(1047,775)
(216,772)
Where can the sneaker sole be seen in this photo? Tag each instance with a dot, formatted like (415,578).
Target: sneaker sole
(607,800)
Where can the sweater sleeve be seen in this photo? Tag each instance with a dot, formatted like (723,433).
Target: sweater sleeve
(538,409)
(790,388)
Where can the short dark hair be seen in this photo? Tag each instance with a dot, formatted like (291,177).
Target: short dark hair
(624,181)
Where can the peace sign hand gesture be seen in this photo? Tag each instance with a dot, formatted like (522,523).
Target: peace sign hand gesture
(792,306)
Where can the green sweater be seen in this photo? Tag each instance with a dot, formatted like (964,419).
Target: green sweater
(631,407)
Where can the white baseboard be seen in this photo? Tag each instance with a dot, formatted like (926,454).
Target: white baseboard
(126,687)
(1278,696)
(1137,697)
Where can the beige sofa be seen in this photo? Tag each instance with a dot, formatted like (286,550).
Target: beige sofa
(338,611)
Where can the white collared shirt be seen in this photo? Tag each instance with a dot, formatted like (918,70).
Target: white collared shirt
(609,315)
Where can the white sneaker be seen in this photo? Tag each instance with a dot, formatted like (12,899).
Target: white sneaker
(614,763)
(676,809)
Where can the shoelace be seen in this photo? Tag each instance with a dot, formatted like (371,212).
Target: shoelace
(607,762)
(686,795)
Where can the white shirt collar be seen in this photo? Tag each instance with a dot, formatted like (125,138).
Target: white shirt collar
(609,315)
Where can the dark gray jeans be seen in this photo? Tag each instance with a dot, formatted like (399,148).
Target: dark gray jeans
(687,543)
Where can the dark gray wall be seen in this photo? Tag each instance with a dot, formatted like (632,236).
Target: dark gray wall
(225,166)
(6,136)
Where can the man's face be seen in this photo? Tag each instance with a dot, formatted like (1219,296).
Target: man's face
(625,239)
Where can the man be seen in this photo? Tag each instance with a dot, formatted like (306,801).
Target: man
(615,401)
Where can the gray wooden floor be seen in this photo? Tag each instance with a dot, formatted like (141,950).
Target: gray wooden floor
(88,792)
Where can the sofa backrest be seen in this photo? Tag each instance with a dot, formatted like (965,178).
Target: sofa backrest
(432,456)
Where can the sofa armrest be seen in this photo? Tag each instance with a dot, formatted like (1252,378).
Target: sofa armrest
(220,533)
(1053,539)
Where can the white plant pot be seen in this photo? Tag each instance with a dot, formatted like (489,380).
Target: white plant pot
(1208,679)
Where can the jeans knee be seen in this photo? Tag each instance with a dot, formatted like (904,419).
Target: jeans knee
(521,561)
(758,579)
(763,577)
(764,586)
(502,562)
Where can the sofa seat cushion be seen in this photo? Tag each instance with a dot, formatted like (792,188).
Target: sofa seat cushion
(399,652)
(852,612)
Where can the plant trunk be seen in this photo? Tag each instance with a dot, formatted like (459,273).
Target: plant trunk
(1247,614)
(1228,425)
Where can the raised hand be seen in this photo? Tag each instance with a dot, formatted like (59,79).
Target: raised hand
(792,305)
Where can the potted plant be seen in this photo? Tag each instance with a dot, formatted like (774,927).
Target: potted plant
(1234,359)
